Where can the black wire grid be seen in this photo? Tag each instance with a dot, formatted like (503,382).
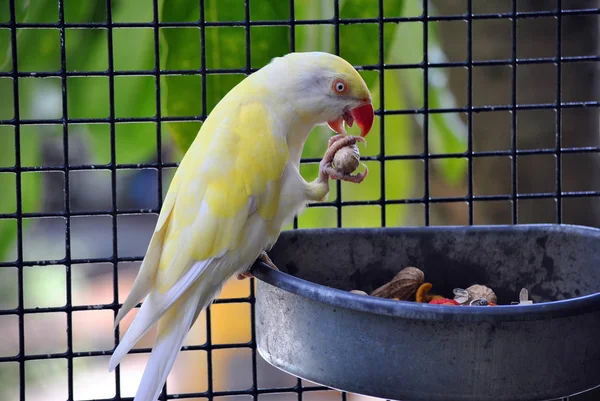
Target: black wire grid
(299,389)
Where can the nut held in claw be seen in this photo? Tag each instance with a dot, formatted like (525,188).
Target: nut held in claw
(347,159)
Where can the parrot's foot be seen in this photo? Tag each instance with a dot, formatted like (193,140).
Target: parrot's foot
(336,143)
(336,138)
(265,258)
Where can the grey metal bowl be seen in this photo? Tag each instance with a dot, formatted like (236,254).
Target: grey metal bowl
(309,325)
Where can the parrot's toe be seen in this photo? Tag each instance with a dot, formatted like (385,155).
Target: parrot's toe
(344,140)
(263,257)
(337,175)
(244,275)
(336,143)
(335,138)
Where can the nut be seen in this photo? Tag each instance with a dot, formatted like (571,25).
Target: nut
(347,159)
(359,292)
(402,286)
(481,291)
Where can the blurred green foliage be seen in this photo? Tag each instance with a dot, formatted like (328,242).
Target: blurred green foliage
(133,49)
(88,50)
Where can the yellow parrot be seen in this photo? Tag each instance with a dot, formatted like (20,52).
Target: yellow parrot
(235,188)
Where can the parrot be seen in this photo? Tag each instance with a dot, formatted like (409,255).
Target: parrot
(233,191)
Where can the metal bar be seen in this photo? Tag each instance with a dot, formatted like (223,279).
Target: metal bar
(19,199)
(470,111)
(228,393)
(157,80)
(514,108)
(67,201)
(157,94)
(426,149)
(253,350)
(365,67)
(293,49)
(336,36)
(474,154)
(381,159)
(298,387)
(71,355)
(478,109)
(341,21)
(113,160)
(209,356)
(558,140)
(563,194)
(368,67)
(111,306)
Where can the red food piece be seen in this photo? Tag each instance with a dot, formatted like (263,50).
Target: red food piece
(443,301)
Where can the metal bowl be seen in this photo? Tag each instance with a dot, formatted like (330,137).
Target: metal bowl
(309,325)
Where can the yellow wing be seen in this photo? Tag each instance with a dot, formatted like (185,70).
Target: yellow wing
(232,169)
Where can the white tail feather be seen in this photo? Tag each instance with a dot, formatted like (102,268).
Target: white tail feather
(143,322)
(155,306)
(172,330)
(145,278)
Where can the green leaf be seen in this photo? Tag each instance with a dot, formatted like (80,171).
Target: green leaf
(355,43)
(30,189)
(315,37)
(134,96)
(354,50)
(87,97)
(447,133)
(29,148)
(26,11)
(180,49)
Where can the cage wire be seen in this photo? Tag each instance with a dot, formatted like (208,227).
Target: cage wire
(20,361)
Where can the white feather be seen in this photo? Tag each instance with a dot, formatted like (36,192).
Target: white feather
(153,307)
(169,342)
(178,308)
(145,278)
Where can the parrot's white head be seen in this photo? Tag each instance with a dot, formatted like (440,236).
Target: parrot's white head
(323,88)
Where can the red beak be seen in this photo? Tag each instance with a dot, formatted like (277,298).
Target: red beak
(363,115)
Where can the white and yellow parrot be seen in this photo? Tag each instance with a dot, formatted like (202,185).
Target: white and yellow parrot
(235,188)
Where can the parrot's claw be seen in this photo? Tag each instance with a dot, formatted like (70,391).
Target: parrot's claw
(265,258)
(335,143)
(336,175)
(347,140)
(244,275)
(334,139)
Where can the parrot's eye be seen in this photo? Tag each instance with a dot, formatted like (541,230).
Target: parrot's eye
(339,86)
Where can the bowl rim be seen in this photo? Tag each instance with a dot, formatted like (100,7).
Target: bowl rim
(412,310)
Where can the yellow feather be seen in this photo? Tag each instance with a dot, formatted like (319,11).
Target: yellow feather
(234,158)
(235,187)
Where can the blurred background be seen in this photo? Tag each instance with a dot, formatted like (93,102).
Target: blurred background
(75,267)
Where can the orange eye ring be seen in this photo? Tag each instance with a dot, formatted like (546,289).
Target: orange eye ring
(339,86)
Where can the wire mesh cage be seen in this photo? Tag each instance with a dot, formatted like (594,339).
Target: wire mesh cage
(486,113)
